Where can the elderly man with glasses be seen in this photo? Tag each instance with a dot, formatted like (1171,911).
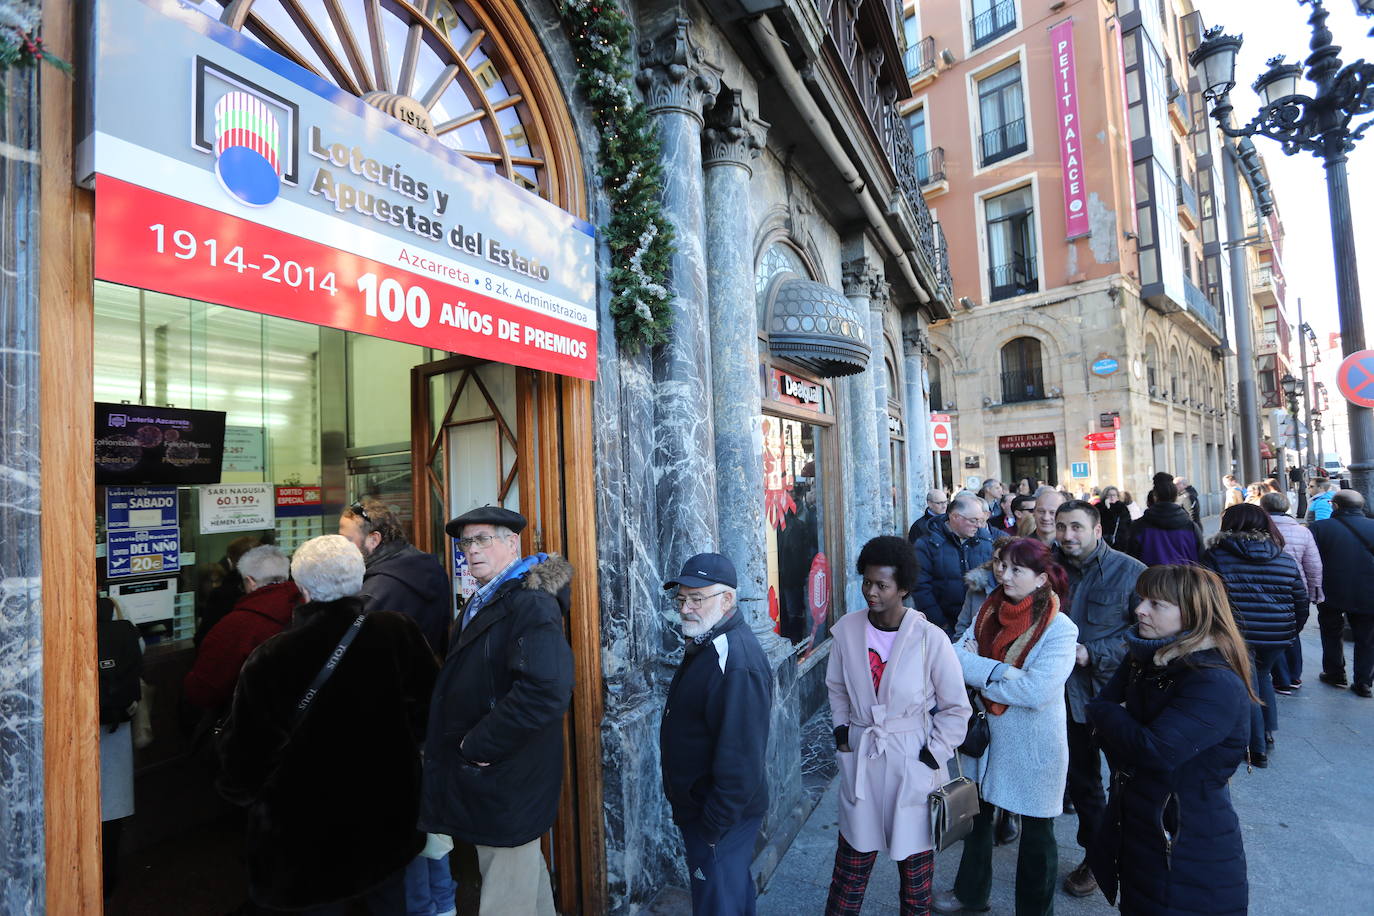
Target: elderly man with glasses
(714,736)
(494,761)
(954,546)
(937,501)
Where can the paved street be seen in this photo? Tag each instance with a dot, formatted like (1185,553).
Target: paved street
(1307,819)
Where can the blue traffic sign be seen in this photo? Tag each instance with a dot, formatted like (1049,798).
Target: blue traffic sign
(1355,378)
(1080,469)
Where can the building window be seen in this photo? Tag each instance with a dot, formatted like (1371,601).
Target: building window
(1023,377)
(1012,269)
(937,388)
(1001,115)
(991,19)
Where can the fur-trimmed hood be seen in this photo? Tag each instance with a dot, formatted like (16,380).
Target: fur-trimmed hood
(1173,651)
(980,579)
(551,576)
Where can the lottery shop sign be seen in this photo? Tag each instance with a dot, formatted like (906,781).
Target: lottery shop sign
(252,183)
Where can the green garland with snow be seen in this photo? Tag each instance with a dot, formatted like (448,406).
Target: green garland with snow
(20,46)
(638,233)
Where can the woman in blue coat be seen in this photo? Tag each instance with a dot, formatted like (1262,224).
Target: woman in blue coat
(1267,595)
(1174,723)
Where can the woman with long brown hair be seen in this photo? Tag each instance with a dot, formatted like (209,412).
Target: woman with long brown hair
(1174,723)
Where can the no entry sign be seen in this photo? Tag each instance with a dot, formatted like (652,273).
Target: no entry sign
(939,435)
(1355,378)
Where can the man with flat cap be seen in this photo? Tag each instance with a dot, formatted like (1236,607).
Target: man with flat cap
(494,757)
(714,736)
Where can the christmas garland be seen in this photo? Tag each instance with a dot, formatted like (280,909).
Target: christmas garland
(639,234)
(20,46)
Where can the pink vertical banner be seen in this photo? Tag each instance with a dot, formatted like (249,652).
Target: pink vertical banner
(1070,135)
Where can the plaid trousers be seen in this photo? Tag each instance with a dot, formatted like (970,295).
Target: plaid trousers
(850,879)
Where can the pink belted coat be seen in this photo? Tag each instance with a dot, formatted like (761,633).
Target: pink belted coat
(883,783)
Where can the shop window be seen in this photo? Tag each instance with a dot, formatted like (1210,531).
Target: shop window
(1023,377)
(797,478)
(1012,267)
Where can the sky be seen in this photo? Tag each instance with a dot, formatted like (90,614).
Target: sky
(1273,27)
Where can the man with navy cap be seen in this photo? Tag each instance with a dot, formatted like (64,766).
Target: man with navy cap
(714,736)
(494,758)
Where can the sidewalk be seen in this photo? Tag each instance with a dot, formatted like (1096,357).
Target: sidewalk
(1306,820)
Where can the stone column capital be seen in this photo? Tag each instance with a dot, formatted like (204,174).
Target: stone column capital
(733,136)
(674,75)
(862,277)
(880,291)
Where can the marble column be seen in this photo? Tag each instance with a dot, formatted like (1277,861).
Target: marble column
(21,631)
(679,85)
(862,278)
(917,409)
(877,373)
(734,137)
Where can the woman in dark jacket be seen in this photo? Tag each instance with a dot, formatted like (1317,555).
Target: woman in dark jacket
(1116,518)
(1266,594)
(1173,722)
(1165,534)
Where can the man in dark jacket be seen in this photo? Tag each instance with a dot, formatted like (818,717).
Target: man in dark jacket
(334,789)
(494,766)
(1189,499)
(936,503)
(1101,604)
(257,617)
(714,736)
(1346,543)
(399,576)
(955,546)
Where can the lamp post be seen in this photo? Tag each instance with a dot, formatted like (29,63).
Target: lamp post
(1319,124)
(1290,386)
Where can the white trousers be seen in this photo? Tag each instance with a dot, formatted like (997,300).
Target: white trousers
(515,881)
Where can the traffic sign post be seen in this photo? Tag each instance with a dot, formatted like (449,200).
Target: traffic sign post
(1100,437)
(1355,378)
(939,436)
(1100,446)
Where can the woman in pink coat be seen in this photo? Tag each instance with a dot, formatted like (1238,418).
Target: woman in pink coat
(889,668)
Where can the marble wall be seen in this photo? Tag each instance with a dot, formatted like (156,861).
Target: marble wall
(21,632)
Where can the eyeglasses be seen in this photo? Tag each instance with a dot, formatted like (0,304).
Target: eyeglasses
(357,509)
(478,540)
(694,601)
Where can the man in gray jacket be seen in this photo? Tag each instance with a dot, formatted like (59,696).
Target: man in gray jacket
(1101,601)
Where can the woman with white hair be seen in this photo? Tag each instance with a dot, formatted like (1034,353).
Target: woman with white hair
(341,695)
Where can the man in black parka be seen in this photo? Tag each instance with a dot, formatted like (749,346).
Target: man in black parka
(494,756)
(400,577)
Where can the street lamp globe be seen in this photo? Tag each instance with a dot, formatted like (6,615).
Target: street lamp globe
(1279,82)
(1215,60)
(1289,384)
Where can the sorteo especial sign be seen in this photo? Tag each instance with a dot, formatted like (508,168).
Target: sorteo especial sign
(229,174)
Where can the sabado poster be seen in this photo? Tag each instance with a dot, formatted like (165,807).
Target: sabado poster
(226,173)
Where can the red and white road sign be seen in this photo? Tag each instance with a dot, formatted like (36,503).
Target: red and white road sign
(939,418)
(1355,378)
(939,435)
(1109,436)
(1100,446)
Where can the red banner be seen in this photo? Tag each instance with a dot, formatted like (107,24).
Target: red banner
(1025,440)
(1070,130)
(157,242)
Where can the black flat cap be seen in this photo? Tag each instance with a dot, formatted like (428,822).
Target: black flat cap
(487,515)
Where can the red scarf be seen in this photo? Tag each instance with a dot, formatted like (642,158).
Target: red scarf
(1007,630)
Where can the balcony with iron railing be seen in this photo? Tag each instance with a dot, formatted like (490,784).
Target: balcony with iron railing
(1202,308)
(920,57)
(1186,197)
(1003,141)
(1016,277)
(1021,385)
(942,258)
(930,166)
(997,21)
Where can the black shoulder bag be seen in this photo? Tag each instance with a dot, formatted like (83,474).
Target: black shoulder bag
(330,664)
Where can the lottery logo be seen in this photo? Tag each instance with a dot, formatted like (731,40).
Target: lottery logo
(248,148)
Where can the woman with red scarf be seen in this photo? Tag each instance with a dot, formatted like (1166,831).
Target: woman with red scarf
(1016,656)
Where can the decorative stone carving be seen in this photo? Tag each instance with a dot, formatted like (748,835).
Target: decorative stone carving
(861,278)
(674,75)
(733,136)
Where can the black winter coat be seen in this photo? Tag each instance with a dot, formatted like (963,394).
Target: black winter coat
(500,700)
(714,735)
(332,805)
(1263,584)
(1116,524)
(407,580)
(1170,839)
(944,561)
(1342,551)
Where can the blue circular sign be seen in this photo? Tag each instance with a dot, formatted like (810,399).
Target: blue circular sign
(1105,366)
(248,175)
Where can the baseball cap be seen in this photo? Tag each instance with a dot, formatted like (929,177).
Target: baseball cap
(702,570)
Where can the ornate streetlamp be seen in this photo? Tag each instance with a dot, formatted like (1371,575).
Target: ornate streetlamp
(1319,124)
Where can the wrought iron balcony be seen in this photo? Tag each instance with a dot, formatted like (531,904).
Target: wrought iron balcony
(1016,277)
(1199,305)
(1020,385)
(996,22)
(1003,141)
(942,259)
(920,57)
(930,166)
(1187,197)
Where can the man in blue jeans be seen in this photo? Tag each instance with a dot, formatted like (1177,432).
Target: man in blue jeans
(714,735)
